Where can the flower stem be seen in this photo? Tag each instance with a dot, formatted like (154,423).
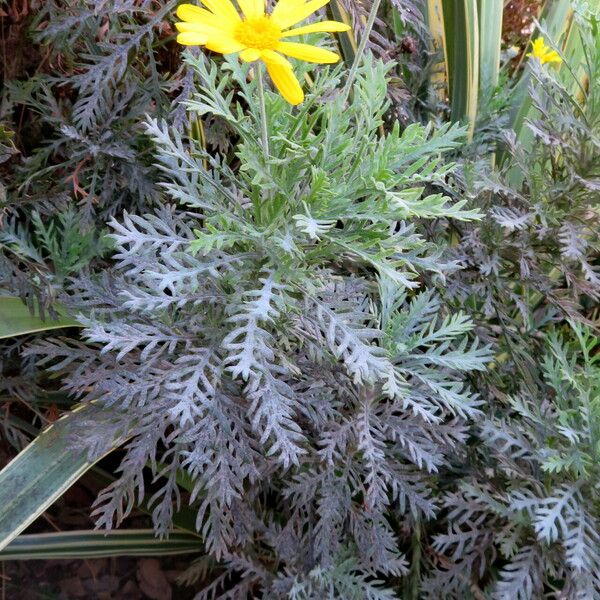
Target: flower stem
(361,50)
(264,132)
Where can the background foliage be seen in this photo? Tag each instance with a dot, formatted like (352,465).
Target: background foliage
(361,365)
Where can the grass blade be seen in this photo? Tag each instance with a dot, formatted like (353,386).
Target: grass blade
(347,39)
(16,319)
(39,475)
(490,42)
(434,15)
(462,56)
(98,544)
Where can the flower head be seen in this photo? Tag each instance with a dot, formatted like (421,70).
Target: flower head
(544,53)
(257,35)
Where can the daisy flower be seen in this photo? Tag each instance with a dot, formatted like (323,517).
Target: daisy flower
(256,35)
(544,53)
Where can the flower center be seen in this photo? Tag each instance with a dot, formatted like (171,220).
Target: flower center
(259,33)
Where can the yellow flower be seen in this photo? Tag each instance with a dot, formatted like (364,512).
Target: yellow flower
(543,52)
(257,35)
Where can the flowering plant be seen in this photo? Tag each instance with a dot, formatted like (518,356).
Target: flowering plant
(543,53)
(256,35)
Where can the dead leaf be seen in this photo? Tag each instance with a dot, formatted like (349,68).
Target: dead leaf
(72,588)
(130,591)
(152,580)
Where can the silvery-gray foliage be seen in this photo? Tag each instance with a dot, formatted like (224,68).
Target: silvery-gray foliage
(270,335)
(400,36)
(94,148)
(410,12)
(286,341)
(73,116)
(529,507)
(541,226)
(538,510)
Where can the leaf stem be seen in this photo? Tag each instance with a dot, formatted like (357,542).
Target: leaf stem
(361,50)
(264,131)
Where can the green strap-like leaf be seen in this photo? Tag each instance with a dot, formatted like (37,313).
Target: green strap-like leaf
(15,319)
(39,475)
(347,39)
(461,27)
(97,544)
(434,15)
(490,42)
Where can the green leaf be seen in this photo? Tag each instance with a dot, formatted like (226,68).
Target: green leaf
(39,475)
(16,319)
(469,32)
(347,39)
(462,55)
(434,15)
(97,544)
(490,42)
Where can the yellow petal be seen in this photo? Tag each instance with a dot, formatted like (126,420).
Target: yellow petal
(307,52)
(284,6)
(191,38)
(273,57)
(285,81)
(551,57)
(192,13)
(224,9)
(206,30)
(250,55)
(539,44)
(322,26)
(224,45)
(291,14)
(252,9)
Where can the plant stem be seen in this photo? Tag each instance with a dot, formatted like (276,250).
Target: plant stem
(361,50)
(264,132)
